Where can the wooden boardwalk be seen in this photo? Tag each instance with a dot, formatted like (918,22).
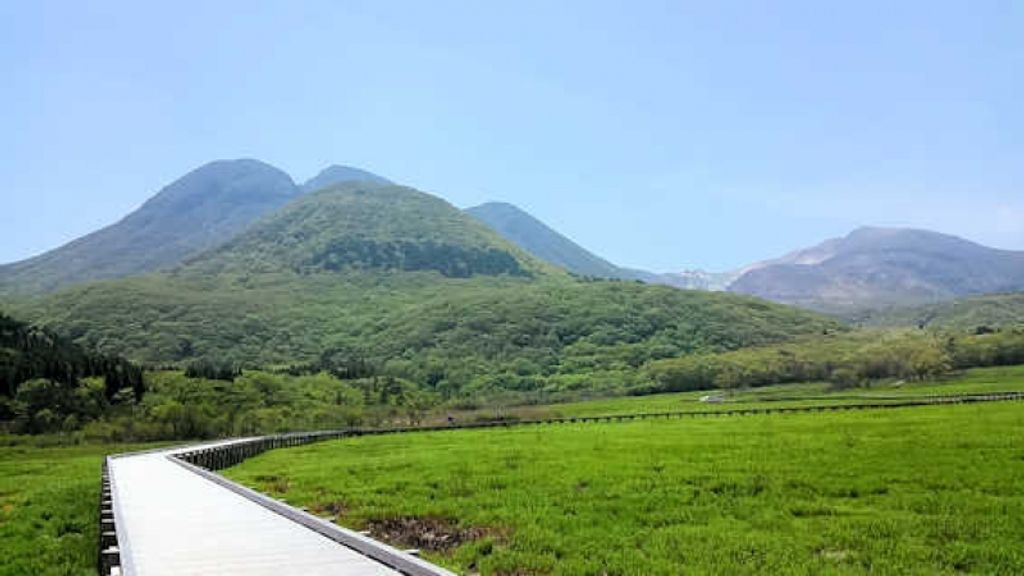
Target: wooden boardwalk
(172,520)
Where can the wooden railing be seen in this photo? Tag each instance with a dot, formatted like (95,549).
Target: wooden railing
(227,455)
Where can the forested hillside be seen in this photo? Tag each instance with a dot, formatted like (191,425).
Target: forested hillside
(373,299)
(454,335)
(405,285)
(366,226)
(979,313)
(42,379)
(848,359)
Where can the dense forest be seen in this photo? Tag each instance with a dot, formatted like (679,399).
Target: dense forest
(450,260)
(461,337)
(364,305)
(52,384)
(48,383)
(177,406)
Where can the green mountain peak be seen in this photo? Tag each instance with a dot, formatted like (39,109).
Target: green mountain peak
(366,225)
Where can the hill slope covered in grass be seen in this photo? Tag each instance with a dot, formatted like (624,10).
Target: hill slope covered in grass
(403,282)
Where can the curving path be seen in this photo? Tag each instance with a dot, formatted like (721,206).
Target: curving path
(174,519)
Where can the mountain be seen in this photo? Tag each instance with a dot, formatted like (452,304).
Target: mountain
(199,211)
(336,174)
(365,225)
(540,240)
(532,235)
(881,267)
(400,283)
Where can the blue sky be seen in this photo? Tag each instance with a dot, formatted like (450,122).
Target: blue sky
(662,135)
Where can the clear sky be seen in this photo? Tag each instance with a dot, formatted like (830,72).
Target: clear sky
(662,135)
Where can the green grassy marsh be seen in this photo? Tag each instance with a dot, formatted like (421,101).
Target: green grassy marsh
(937,490)
(49,498)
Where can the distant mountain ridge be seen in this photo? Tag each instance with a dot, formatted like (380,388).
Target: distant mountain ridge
(199,211)
(879,267)
(218,201)
(222,203)
(868,268)
(537,238)
(399,283)
(335,174)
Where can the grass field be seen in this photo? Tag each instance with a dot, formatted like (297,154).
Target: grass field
(934,490)
(920,490)
(974,381)
(48,507)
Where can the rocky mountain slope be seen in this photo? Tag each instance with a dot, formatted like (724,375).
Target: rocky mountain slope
(880,267)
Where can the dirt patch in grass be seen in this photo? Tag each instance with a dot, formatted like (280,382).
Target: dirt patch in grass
(336,509)
(274,483)
(431,534)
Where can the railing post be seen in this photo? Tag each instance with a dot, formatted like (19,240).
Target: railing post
(108,554)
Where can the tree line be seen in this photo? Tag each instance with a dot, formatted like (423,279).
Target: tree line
(844,359)
(42,379)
